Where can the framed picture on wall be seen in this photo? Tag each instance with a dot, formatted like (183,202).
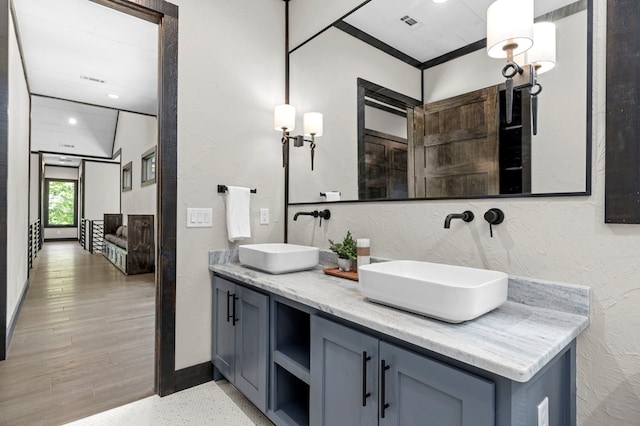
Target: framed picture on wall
(127,177)
(148,167)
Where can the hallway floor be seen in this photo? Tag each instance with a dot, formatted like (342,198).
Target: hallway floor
(83,343)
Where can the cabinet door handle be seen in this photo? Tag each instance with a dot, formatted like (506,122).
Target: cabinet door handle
(229,296)
(365,394)
(235,320)
(383,404)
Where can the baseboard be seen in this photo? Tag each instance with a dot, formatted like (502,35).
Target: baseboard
(14,318)
(60,239)
(193,376)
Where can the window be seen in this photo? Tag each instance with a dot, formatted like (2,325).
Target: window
(61,203)
(149,167)
(127,177)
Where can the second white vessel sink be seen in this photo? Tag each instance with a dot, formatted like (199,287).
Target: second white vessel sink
(279,258)
(446,292)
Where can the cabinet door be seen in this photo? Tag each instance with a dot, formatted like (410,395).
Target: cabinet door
(421,391)
(252,329)
(223,329)
(344,382)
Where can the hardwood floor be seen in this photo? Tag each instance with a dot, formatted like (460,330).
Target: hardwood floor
(84,341)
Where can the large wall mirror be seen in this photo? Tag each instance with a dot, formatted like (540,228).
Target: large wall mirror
(388,107)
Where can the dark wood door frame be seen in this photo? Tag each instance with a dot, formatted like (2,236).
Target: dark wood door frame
(166,16)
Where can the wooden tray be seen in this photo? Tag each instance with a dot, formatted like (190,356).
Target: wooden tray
(351,275)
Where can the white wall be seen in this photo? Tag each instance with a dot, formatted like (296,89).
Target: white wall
(135,135)
(231,75)
(324,77)
(101,189)
(560,239)
(18,178)
(53,172)
(557,152)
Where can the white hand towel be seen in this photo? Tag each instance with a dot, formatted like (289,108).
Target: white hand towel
(333,195)
(238,213)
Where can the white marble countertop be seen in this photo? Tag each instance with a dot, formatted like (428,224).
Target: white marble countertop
(514,341)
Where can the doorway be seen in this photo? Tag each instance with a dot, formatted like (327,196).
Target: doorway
(166,16)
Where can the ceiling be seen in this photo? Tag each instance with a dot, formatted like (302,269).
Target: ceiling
(80,51)
(440,28)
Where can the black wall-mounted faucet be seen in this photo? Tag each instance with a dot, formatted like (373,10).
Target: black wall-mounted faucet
(323,214)
(466,216)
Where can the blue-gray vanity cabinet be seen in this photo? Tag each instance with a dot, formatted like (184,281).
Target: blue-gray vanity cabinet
(240,338)
(357,379)
(416,390)
(344,376)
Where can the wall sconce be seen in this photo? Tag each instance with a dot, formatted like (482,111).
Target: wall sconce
(510,32)
(542,56)
(285,120)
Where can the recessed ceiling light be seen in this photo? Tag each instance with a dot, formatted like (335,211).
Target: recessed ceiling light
(72,120)
(113,96)
(439,1)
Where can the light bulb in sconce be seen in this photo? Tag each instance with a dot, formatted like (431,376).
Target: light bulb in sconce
(312,124)
(509,28)
(542,54)
(285,118)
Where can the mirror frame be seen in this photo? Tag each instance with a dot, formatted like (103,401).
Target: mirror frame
(481,44)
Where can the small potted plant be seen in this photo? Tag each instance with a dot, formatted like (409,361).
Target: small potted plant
(346,251)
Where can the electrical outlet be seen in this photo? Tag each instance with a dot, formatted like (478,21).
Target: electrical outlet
(543,412)
(264,216)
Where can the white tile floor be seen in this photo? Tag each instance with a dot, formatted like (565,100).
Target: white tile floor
(213,403)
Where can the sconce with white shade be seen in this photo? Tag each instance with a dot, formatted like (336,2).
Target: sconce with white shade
(510,33)
(285,119)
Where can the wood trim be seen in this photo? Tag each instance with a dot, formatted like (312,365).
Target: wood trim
(149,10)
(115,135)
(383,135)
(167,195)
(328,26)
(385,108)
(91,105)
(285,142)
(374,42)
(69,155)
(4,152)
(193,376)
(454,54)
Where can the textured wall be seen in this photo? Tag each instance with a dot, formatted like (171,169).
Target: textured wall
(18,178)
(231,75)
(560,239)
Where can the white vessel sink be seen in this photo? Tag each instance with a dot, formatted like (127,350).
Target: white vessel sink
(278,258)
(446,292)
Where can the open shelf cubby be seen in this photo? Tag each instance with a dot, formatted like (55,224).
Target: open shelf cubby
(291,402)
(292,336)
